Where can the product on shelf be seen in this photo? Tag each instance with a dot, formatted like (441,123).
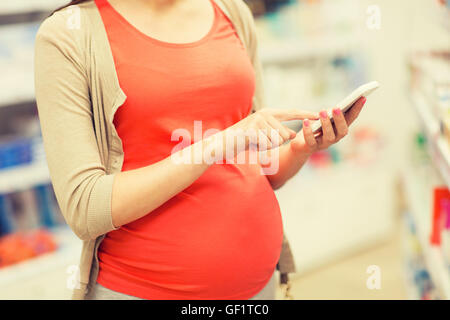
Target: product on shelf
(362,148)
(445,233)
(260,7)
(24,213)
(440,194)
(27,219)
(6,215)
(21,246)
(19,150)
(419,152)
(29,209)
(418,278)
(428,201)
(314,86)
(430,96)
(47,206)
(442,13)
(15,151)
(430,77)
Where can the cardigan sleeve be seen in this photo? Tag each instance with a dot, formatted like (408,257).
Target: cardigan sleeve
(82,187)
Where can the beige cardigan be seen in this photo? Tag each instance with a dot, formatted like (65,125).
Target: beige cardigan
(78,93)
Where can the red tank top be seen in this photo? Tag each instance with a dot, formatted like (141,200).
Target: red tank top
(221,237)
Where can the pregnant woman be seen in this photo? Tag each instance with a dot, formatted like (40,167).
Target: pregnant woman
(115,79)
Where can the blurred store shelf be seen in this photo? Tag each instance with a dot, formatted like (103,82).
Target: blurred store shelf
(442,14)
(293,51)
(17,97)
(420,209)
(25,6)
(23,177)
(410,288)
(31,278)
(15,12)
(439,148)
(16,61)
(68,244)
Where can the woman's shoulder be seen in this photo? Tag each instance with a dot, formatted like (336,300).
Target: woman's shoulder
(68,24)
(244,8)
(237,9)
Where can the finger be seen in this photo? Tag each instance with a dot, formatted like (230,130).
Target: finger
(294,114)
(340,124)
(354,111)
(282,130)
(327,128)
(251,136)
(309,135)
(272,134)
(264,142)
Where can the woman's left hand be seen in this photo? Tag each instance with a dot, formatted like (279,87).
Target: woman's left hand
(308,142)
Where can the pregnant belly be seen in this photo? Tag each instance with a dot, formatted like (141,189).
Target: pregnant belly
(219,239)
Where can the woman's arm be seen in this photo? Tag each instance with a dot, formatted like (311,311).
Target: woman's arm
(140,191)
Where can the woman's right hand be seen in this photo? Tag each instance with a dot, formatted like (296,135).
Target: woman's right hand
(262,130)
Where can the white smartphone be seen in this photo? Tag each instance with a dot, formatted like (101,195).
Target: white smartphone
(347,103)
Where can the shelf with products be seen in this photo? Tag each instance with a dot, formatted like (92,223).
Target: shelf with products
(19,22)
(22,157)
(430,97)
(260,7)
(442,13)
(21,6)
(417,185)
(426,181)
(34,238)
(418,282)
(439,148)
(23,177)
(303,30)
(20,11)
(314,87)
(16,61)
(66,255)
(24,97)
(294,51)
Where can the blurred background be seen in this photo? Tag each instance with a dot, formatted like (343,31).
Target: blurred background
(367,219)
